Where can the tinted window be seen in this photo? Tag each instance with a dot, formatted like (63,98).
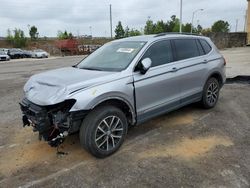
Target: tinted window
(202,52)
(207,48)
(186,48)
(160,53)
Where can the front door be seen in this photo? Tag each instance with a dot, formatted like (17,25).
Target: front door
(158,90)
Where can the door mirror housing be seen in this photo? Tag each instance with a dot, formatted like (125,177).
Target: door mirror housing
(145,65)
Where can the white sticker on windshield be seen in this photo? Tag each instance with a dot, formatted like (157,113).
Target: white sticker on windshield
(126,50)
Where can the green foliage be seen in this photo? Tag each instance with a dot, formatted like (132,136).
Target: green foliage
(64,35)
(172,24)
(134,32)
(9,35)
(131,32)
(206,31)
(176,26)
(119,31)
(16,38)
(149,27)
(187,28)
(160,27)
(127,32)
(33,33)
(221,26)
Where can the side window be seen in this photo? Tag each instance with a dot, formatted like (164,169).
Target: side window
(202,52)
(207,48)
(160,53)
(186,48)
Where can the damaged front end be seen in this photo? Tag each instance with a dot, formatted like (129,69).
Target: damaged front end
(54,122)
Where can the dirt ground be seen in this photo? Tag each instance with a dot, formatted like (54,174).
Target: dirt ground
(190,147)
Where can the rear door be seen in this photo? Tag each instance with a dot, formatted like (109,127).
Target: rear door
(192,68)
(158,90)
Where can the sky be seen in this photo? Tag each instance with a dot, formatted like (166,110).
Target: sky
(85,17)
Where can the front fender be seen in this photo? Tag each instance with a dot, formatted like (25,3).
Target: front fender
(89,98)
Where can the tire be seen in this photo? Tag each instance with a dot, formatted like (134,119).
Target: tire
(103,131)
(210,93)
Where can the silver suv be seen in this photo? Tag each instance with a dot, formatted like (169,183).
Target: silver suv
(124,83)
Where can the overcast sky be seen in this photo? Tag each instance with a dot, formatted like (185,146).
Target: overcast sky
(77,16)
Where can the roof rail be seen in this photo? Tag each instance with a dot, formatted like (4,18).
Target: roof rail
(175,33)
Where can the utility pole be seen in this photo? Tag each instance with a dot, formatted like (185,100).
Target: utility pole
(181,16)
(245,22)
(236,27)
(110,16)
(192,23)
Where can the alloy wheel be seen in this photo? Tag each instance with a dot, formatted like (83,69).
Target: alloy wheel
(212,93)
(109,133)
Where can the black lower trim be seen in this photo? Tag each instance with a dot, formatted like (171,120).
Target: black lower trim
(168,108)
(78,115)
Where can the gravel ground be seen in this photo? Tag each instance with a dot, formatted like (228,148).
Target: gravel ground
(190,147)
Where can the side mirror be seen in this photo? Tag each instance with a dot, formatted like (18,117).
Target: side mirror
(145,65)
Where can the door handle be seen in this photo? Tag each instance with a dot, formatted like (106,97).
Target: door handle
(205,61)
(174,69)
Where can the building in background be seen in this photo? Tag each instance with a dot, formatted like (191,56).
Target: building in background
(248,23)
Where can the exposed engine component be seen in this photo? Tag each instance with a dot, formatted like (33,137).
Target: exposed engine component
(59,139)
(54,123)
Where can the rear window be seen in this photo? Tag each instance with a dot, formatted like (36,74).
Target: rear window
(186,48)
(206,47)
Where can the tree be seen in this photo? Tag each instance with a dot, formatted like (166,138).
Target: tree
(149,27)
(131,32)
(70,35)
(134,32)
(187,27)
(206,31)
(160,27)
(171,25)
(9,35)
(119,31)
(33,33)
(17,39)
(64,35)
(199,29)
(127,32)
(221,26)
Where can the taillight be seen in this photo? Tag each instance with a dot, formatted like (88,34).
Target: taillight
(225,62)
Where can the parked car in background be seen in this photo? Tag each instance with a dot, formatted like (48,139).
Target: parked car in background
(15,53)
(38,53)
(27,53)
(4,56)
(5,50)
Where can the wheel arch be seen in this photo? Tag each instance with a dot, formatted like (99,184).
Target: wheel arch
(120,103)
(216,75)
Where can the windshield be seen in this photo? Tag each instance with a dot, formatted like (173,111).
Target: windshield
(115,56)
(2,53)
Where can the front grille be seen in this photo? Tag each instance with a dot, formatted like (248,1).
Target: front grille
(36,114)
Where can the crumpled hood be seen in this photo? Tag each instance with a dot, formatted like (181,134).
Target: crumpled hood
(55,86)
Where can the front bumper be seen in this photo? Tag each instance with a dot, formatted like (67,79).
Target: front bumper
(51,121)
